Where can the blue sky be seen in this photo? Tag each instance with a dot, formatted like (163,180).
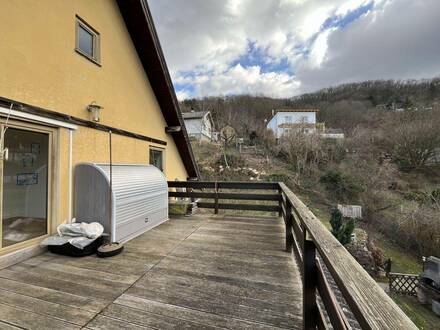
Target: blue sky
(282,48)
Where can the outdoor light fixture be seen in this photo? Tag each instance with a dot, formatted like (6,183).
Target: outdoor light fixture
(173,129)
(95,111)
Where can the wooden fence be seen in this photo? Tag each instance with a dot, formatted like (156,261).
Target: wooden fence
(311,244)
(403,283)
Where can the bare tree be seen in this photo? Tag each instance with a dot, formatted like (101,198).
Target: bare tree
(415,138)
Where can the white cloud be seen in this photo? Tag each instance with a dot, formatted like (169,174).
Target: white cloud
(182,95)
(205,38)
(319,49)
(240,80)
(397,41)
(350,6)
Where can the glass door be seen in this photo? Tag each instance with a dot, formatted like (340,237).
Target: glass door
(24,181)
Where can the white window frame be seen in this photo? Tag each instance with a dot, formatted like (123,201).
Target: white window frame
(96,38)
(162,150)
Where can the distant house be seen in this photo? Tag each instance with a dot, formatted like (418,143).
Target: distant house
(284,121)
(199,125)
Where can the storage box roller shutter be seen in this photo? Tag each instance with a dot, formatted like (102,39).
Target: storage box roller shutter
(139,198)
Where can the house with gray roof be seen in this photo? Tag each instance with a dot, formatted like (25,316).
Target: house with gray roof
(199,125)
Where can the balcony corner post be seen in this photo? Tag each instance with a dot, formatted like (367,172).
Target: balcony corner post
(288,221)
(310,308)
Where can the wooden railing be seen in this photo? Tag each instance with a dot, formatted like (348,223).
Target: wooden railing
(215,191)
(319,254)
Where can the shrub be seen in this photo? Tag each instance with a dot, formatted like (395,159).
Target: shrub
(435,195)
(417,196)
(341,229)
(278,177)
(332,179)
(423,197)
(343,186)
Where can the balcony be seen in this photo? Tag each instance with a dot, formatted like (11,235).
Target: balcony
(224,268)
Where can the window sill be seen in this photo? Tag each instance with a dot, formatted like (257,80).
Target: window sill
(91,59)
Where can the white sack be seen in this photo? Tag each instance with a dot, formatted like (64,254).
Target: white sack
(77,234)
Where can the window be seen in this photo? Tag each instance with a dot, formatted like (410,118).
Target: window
(87,41)
(156,158)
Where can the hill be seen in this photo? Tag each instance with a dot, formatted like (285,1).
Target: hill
(344,106)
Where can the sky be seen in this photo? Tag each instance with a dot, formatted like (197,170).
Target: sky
(283,48)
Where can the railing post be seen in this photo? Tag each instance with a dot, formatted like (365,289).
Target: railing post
(216,198)
(288,221)
(310,309)
(280,203)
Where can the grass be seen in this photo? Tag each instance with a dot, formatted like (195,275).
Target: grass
(421,315)
(402,262)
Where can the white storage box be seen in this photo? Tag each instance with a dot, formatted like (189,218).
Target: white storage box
(138,200)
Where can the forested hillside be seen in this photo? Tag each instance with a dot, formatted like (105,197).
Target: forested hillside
(344,106)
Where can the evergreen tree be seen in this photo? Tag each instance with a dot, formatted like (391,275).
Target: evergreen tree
(340,229)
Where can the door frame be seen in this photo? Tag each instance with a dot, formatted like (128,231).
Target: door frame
(51,166)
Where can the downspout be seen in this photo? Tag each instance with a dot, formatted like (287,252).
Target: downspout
(70,176)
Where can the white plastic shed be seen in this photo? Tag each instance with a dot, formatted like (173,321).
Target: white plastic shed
(138,200)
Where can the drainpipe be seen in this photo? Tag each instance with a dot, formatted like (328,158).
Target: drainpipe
(70,175)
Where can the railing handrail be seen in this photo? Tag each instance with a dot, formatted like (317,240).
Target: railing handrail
(370,304)
(224,185)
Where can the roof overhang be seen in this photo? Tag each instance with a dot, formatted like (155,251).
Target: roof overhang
(140,26)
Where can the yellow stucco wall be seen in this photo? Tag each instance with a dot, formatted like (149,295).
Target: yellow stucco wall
(38,66)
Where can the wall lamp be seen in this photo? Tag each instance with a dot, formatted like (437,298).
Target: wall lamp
(95,111)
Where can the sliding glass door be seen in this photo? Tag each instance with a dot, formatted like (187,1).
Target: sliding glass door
(24,185)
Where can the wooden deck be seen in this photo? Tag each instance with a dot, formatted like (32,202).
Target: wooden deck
(202,272)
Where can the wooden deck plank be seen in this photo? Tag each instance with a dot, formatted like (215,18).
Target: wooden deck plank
(127,263)
(215,306)
(96,283)
(248,226)
(273,307)
(219,248)
(28,320)
(67,285)
(201,272)
(187,314)
(244,233)
(229,269)
(65,313)
(236,244)
(54,296)
(186,281)
(156,321)
(255,260)
(113,279)
(101,322)
(6,326)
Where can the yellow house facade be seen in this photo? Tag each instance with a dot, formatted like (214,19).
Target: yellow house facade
(73,75)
